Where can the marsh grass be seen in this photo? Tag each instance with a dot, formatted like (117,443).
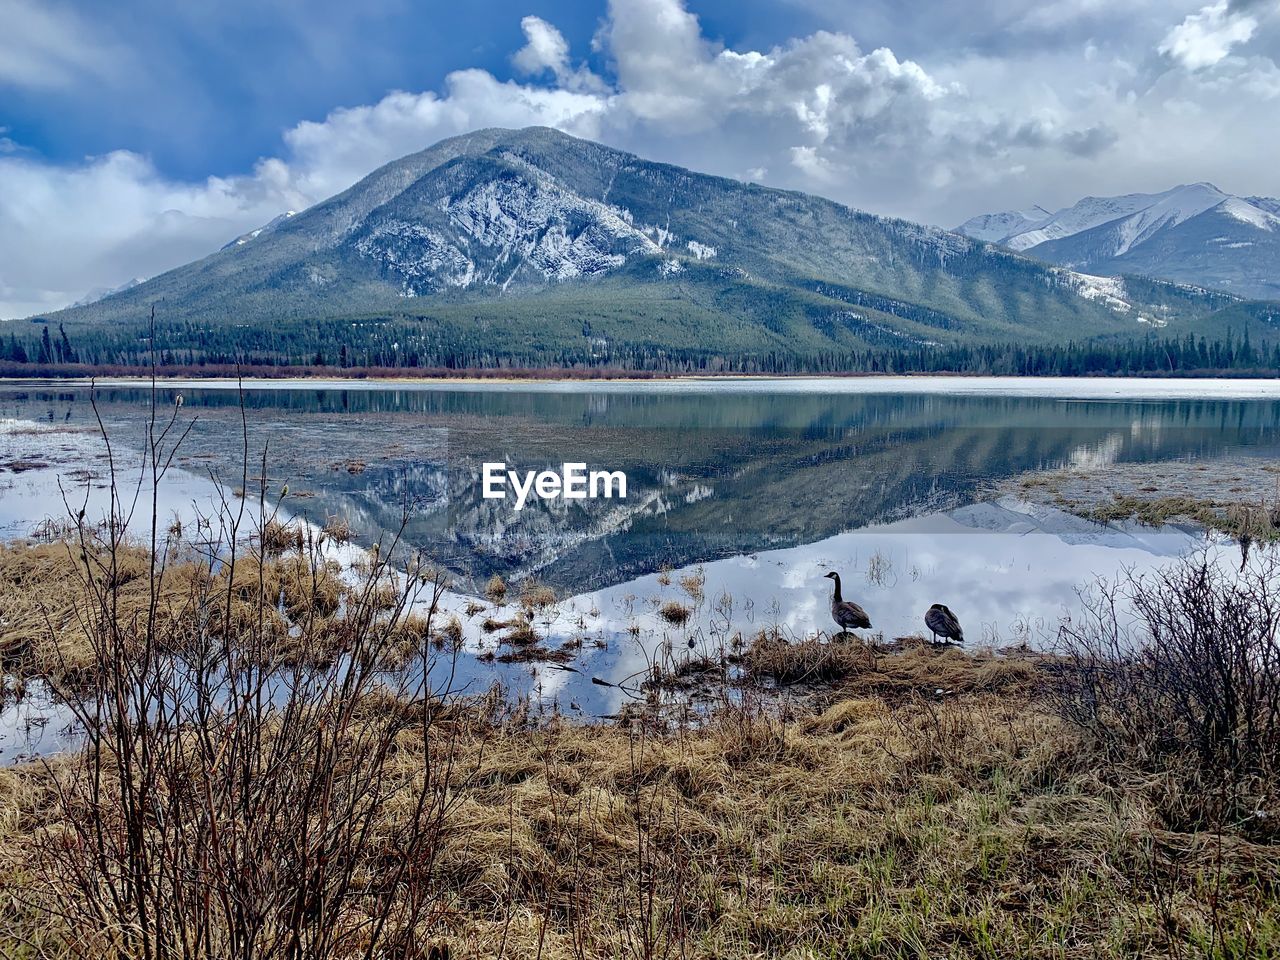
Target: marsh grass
(1245,521)
(496,590)
(536,597)
(880,820)
(278,536)
(337,529)
(675,613)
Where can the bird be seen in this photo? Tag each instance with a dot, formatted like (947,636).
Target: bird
(942,622)
(846,613)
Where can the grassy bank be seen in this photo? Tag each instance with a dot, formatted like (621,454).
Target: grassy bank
(843,799)
(974,826)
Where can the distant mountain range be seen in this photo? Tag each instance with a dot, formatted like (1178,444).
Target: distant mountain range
(1193,233)
(533,246)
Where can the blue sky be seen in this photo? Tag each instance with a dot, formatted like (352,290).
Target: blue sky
(208,88)
(139,134)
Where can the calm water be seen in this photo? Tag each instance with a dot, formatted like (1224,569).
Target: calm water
(757,487)
(715,469)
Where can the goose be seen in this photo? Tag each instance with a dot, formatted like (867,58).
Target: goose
(846,613)
(942,622)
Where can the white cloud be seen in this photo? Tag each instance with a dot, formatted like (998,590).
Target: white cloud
(1205,38)
(45,45)
(545,49)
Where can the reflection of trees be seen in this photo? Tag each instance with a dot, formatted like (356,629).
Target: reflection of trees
(783,468)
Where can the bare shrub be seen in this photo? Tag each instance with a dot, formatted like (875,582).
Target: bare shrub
(1180,665)
(225,804)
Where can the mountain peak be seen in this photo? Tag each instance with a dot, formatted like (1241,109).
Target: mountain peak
(1193,233)
(533,242)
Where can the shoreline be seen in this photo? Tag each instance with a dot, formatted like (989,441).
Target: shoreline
(480,376)
(1064,388)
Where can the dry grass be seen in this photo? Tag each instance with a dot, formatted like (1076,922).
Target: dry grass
(918,802)
(978,827)
(337,529)
(449,634)
(279,537)
(675,613)
(536,596)
(496,590)
(521,633)
(693,583)
(47,632)
(1245,521)
(828,670)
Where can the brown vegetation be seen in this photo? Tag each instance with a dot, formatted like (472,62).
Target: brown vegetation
(496,589)
(675,613)
(978,826)
(267,772)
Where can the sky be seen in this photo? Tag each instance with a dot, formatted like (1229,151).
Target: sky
(139,135)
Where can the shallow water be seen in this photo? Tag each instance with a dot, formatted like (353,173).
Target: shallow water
(716,468)
(755,487)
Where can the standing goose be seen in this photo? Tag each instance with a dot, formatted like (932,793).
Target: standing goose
(943,623)
(846,613)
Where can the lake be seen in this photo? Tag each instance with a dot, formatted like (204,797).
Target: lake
(756,488)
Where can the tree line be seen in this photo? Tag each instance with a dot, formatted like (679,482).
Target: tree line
(390,349)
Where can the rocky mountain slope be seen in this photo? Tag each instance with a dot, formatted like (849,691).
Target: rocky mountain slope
(513,241)
(1194,233)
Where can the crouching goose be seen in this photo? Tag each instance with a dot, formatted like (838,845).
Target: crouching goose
(943,623)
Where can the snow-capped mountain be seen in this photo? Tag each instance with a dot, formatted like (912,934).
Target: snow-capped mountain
(1194,233)
(994,227)
(509,241)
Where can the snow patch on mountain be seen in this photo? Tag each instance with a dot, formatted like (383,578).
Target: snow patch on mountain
(1193,232)
(101,293)
(1137,215)
(502,230)
(1108,291)
(560,234)
(700,251)
(1249,213)
(1173,208)
(1088,213)
(424,259)
(274,222)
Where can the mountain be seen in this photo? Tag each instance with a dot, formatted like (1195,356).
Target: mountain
(101,293)
(1193,233)
(994,227)
(254,234)
(533,246)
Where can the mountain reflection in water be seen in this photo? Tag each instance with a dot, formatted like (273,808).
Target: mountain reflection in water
(714,471)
